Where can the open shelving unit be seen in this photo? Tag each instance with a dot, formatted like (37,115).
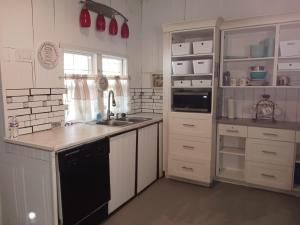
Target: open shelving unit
(231,157)
(236,40)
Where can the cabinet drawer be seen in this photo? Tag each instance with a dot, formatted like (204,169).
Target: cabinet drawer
(192,171)
(232,130)
(192,127)
(191,148)
(274,152)
(271,134)
(269,175)
(298,136)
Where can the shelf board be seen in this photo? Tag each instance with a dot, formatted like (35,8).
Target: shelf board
(191,75)
(193,55)
(249,59)
(289,57)
(191,87)
(259,87)
(233,174)
(297,158)
(288,71)
(233,151)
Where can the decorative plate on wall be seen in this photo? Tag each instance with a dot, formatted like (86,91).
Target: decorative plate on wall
(48,55)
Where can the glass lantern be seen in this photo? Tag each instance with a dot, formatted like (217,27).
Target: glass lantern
(265,109)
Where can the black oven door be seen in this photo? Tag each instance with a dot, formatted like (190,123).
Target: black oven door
(192,101)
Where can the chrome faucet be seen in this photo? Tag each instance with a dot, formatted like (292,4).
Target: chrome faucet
(109,113)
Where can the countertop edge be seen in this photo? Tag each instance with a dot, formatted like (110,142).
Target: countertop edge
(83,141)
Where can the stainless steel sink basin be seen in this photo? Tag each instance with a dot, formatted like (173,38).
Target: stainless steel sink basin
(134,119)
(115,123)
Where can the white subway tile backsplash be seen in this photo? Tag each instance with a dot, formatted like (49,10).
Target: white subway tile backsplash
(42,127)
(15,106)
(23,118)
(42,115)
(41,109)
(39,121)
(58,108)
(38,98)
(17,92)
(39,91)
(50,103)
(33,104)
(56,97)
(33,108)
(57,119)
(19,99)
(18,112)
(59,113)
(27,130)
(57,91)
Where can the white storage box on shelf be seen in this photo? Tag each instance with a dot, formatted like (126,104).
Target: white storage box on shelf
(182,67)
(201,83)
(289,66)
(203,47)
(290,48)
(179,49)
(202,66)
(182,83)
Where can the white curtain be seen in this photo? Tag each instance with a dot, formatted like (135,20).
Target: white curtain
(120,89)
(81,98)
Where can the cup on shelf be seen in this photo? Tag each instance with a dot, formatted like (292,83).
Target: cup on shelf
(243,82)
(233,82)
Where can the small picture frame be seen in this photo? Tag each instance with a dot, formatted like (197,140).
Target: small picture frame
(157,80)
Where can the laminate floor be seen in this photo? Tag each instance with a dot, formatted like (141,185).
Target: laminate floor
(169,202)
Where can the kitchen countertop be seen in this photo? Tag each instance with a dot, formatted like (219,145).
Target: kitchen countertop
(66,137)
(266,124)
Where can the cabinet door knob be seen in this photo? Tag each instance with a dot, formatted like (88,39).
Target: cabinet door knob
(270,134)
(188,147)
(232,131)
(269,152)
(187,168)
(268,176)
(188,125)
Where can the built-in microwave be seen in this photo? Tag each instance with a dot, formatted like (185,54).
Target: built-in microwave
(192,101)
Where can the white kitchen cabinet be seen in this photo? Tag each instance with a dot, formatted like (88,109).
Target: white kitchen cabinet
(122,160)
(26,186)
(147,156)
(161,151)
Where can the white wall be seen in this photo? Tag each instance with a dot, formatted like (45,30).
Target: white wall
(157,12)
(25,24)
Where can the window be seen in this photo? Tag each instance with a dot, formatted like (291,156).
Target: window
(115,69)
(83,99)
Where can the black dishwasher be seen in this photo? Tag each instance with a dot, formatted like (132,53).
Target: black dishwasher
(84,183)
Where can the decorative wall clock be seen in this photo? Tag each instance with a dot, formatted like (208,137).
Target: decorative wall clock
(48,55)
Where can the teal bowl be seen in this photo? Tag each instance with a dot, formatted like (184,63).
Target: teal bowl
(258,75)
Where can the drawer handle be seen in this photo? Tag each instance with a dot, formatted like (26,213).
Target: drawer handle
(270,134)
(268,176)
(188,147)
(232,131)
(187,168)
(188,125)
(269,152)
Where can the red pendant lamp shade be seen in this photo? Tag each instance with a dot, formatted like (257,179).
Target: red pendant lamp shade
(113,26)
(100,23)
(125,30)
(85,18)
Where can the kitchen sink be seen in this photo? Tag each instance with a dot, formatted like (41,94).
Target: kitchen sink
(115,123)
(134,119)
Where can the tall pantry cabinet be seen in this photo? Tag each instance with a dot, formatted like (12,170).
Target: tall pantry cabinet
(190,70)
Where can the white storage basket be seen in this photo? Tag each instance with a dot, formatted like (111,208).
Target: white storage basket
(181,49)
(290,48)
(182,67)
(289,66)
(182,83)
(203,66)
(201,83)
(202,47)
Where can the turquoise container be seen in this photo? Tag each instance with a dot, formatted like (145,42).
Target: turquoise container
(258,75)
